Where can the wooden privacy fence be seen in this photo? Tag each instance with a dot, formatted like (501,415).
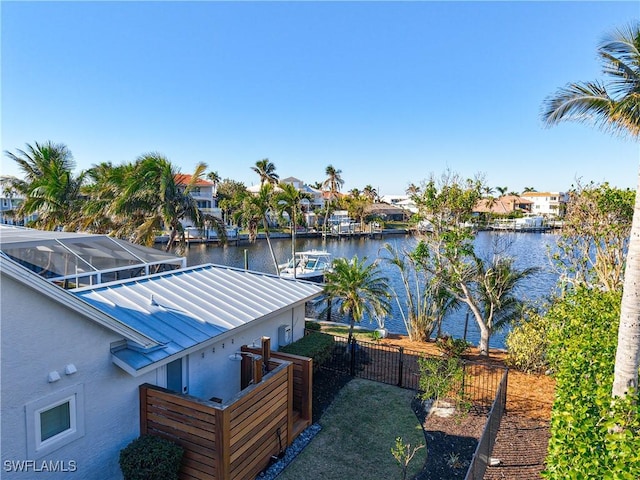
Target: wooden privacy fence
(235,439)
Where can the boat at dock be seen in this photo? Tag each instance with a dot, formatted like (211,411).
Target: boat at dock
(307,265)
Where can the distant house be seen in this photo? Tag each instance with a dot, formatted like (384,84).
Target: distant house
(547,203)
(76,361)
(317,200)
(388,212)
(8,205)
(203,192)
(403,201)
(504,205)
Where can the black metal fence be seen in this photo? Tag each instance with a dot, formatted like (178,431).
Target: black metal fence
(400,366)
(482,456)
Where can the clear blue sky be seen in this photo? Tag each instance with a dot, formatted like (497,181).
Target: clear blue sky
(388,92)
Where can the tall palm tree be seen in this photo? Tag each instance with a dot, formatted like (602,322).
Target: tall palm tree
(614,107)
(288,200)
(412,190)
(105,184)
(358,289)
(266,170)
(255,209)
(332,184)
(371,193)
(215,178)
(49,187)
(151,192)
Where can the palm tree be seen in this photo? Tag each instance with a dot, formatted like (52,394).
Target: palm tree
(413,190)
(255,209)
(288,200)
(614,107)
(106,182)
(425,302)
(49,187)
(502,190)
(497,301)
(266,171)
(357,289)
(151,192)
(215,178)
(371,193)
(332,184)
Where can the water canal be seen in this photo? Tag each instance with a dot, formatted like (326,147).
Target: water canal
(529,249)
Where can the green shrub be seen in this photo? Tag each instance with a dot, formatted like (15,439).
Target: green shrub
(310,325)
(452,347)
(151,458)
(317,346)
(582,347)
(439,377)
(527,345)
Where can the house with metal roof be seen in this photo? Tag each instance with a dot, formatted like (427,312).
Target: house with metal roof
(75,354)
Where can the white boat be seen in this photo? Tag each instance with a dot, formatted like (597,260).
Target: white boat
(307,265)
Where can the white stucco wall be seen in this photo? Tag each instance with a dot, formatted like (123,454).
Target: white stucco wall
(39,336)
(213,374)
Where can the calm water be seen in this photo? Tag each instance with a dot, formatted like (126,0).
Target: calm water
(529,249)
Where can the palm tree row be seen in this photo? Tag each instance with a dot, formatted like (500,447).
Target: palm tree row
(135,200)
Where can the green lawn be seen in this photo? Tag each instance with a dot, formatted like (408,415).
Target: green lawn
(358,432)
(358,333)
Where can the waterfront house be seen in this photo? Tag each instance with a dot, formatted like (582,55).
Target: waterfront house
(93,341)
(504,205)
(552,204)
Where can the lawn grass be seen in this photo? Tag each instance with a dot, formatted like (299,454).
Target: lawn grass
(358,432)
(358,333)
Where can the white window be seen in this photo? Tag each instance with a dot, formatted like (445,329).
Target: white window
(55,420)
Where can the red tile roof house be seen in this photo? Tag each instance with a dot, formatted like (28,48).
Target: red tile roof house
(84,369)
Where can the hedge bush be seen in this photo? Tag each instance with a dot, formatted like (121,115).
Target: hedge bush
(311,325)
(527,345)
(452,347)
(151,458)
(582,347)
(317,346)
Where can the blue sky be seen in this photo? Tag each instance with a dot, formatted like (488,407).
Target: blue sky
(387,92)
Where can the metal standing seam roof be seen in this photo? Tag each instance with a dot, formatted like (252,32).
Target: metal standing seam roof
(184,308)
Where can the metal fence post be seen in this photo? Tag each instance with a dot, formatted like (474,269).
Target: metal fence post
(353,357)
(400,365)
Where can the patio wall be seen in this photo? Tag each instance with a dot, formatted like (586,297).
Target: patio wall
(235,439)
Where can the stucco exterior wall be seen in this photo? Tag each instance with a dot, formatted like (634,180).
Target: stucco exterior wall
(213,374)
(39,336)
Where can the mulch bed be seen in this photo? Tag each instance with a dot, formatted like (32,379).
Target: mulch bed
(521,447)
(450,441)
(521,444)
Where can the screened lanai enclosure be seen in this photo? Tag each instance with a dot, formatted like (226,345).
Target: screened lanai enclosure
(74,260)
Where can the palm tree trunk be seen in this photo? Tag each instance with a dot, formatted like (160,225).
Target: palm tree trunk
(266,236)
(628,350)
(293,241)
(352,323)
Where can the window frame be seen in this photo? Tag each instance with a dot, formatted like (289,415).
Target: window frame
(36,446)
